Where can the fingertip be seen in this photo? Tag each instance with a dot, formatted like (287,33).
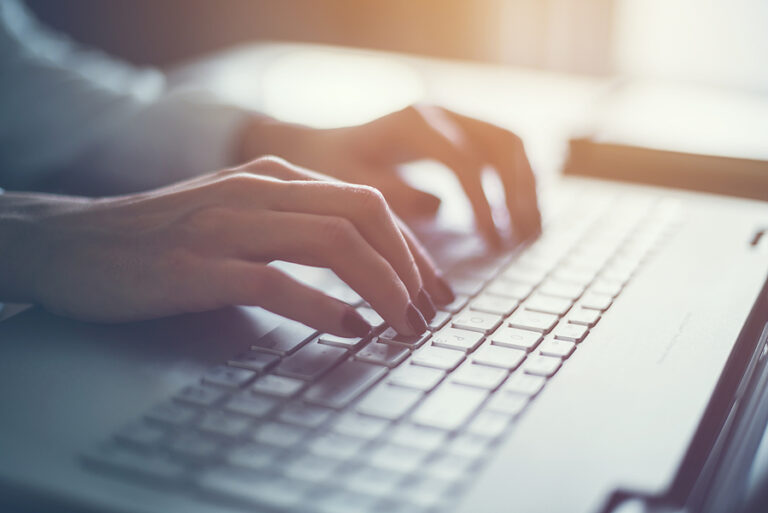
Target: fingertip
(443,293)
(354,324)
(425,305)
(415,319)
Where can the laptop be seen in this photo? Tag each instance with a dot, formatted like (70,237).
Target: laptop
(613,364)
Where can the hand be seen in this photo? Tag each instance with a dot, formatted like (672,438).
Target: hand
(206,243)
(369,154)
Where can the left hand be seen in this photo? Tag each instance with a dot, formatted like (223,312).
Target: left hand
(370,153)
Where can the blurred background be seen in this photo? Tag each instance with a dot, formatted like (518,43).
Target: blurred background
(712,42)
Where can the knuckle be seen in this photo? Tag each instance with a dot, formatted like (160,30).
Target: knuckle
(237,181)
(336,231)
(369,200)
(271,165)
(227,172)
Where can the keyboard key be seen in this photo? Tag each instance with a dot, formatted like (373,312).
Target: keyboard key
(373,481)
(200,395)
(279,386)
(345,383)
(255,361)
(490,303)
(240,486)
(547,304)
(561,289)
(575,275)
(480,376)
(426,492)
(437,358)
(251,456)
(557,348)
(595,301)
(254,405)
(304,415)
(344,342)
(460,340)
(542,365)
(516,338)
(450,466)
(534,321)
(524,384)
(190,444)
(278,434)
(466,285)
(172,414)
(607,287)
(388,402)
(379,353)
(438,321)
(476,321)
(344,501)
(510,289)
(571,332)
(468,446)
(312,468)
(361,426)
(396,458)
(371,317)
(229,377)
(337,446)
(311,361)
(449,406)
(390,336)
(489,423)
(141,434)
(509,403)
(419,437)
(523,274)
(224,424)
(148,465)
(285,339)
(414,376)
(498,356)
(583,316)
(459,302)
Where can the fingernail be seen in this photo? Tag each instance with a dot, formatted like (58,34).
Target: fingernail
(415,319)
(425,304)
(445,293)
(354,323)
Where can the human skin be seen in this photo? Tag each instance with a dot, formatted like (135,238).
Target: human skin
(206,243)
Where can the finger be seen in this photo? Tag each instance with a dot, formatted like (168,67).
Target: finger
(428,133)
(437,286)
(326,241)
(402,198)
(506,153)
(366,208)
(247,283)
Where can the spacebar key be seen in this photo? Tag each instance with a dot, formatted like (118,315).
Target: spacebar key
(449,407)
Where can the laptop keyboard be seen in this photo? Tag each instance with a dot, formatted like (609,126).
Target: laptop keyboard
(312,422)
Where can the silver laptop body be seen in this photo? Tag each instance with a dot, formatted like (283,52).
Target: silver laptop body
(616,396)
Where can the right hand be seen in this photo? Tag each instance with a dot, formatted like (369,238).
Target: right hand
(205,244)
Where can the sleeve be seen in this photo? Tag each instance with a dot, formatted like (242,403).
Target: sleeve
(72,116)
